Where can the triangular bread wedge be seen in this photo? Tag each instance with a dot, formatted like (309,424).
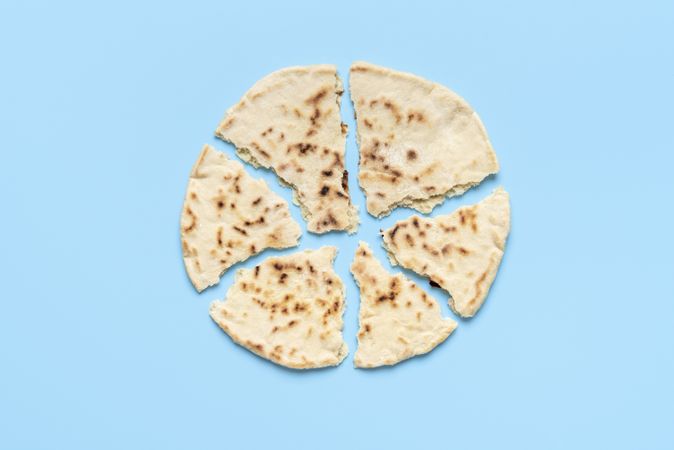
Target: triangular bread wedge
(459,252)
(398,320)
(290,122)
(419,142)
(229,216)
(288,310)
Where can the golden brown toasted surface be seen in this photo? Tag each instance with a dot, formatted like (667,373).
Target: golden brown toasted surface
(288,310)
(398,320)
(290,122)
(419,142)
(229,216)
(459,252)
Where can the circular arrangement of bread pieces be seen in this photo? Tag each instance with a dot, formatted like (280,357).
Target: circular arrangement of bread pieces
(229,216)
(290,122)
(288,310)
(419,141)
(459,252)
(398,320)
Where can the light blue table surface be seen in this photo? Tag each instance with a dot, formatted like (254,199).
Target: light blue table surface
(104,344)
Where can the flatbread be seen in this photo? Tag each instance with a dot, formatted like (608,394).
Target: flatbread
(289,122)
(287,310)
(459,252)
(229,216)
(419,142)
(398,320)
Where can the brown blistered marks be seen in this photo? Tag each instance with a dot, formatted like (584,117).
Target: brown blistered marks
(418,316)
(367,123)
(447,249)
(478,287)
(240,230)
(326,173)
(256,271)
(257,347)
(329,220)
(218,236)
(415,115)
(380,194)
(409,239)
(425,299)
(228,123)
(433,283)
(311,132)
(317,97)
(450,229)
(395,111)
(257,201)
(345,181)
(415,222)
(281,137)
(430,250)
(315,116)
(253,249)
(393,232)
(411,155)
(193,220)
(429,189)
(324,191)
(265,154)
(463,251)
(300,307)
(345,128)
(298,113)
(282,278)
(468,217)
(266,132)
(302,148)
(193,195)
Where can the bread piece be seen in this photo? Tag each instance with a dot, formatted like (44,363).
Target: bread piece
(288,310)
(229,216)
(419,142)
(398,320)
(459,252)
(290,122)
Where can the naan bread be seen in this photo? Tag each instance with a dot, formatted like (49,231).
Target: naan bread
(419,142)
(459,252)
(290,122)
(288,310)
(229,216)
(398,320)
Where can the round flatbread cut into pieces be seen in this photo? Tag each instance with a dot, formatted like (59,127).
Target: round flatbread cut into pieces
(229,216)
(288,310)
(459,252)
(290,122)
(398,320)
(419,141)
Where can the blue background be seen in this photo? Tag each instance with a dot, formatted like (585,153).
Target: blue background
(105,344)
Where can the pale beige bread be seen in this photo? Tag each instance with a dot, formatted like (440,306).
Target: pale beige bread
(288,310)
(459,252)
(398,320)
(229,216)
(290,122)
(419,141)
